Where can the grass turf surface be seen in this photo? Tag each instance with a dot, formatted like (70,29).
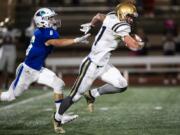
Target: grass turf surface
(138,111)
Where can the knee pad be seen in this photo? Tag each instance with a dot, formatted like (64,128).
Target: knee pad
(120,83)
(124,83)
(58,85)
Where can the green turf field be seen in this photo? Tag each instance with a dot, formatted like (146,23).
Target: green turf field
(138,111)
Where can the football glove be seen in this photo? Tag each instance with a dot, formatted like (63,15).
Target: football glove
(86,27)
(82,39)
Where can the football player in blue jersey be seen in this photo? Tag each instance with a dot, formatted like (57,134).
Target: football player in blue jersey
(32,69)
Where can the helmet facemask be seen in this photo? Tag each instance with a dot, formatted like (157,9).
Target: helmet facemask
(55,21)
(130,18)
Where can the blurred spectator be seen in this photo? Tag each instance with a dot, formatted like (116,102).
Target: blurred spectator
(177,40)
(3,30)
(10,30)
(8,35)
(169,45)
(29,32)
(148,7)
(1,51)
(7,60)
(169,50)
(170,26)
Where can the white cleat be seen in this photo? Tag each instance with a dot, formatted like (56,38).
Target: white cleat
(65,119)
(68,118)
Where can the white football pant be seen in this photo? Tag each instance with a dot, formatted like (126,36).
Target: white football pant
(26,76)
(89,71)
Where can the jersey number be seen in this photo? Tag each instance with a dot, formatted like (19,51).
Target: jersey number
(30,46)
(101,33)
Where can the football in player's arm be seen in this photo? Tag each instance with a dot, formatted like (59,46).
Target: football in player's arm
(115,26)
(133,42)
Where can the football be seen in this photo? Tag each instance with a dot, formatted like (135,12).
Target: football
(139,40)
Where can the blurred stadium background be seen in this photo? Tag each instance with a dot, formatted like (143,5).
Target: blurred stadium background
(158,63)
(156,67)
(157,24)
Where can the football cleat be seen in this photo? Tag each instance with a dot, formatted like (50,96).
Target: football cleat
(68,118)
(90,107)
(58,126)
(65,119)
(90,101)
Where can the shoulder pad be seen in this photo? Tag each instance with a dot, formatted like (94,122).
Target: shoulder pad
(120,26)
(111,13)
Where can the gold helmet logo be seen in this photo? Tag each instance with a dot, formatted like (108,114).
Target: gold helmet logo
(126,9)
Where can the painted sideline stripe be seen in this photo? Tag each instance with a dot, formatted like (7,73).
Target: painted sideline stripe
(26,101)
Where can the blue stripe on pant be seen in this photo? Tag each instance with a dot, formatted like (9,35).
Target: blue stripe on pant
(17,77)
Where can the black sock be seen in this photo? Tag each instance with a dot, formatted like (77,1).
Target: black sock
(66,103)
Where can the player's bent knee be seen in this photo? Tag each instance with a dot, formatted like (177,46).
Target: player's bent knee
(124,83)
(58,85)
(121,84)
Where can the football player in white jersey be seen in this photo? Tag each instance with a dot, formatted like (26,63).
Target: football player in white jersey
(32,69)
(115,28)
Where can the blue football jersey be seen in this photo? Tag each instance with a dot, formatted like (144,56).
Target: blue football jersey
(37,51)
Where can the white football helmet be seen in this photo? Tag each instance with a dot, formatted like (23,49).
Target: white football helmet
(47,18)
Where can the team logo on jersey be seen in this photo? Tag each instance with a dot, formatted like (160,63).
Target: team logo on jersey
(51,32)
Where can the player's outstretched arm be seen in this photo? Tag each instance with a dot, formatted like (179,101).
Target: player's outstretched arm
(68,42)
(133,43)
(97,19)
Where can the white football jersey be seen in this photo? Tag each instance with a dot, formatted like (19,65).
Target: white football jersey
(111,33)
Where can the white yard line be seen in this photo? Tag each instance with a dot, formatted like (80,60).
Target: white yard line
(26,101)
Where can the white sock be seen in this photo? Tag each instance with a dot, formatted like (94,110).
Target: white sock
(57,106)
(58,117)
(95,93)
